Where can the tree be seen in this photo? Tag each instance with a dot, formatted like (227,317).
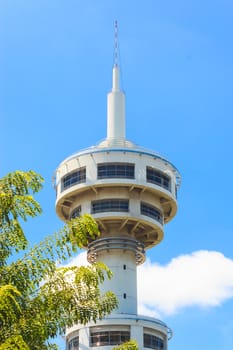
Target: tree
(130,345)
(37,299)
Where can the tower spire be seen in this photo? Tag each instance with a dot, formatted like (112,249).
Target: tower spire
(116,99)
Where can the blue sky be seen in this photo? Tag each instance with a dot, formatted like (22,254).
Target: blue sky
(177,72)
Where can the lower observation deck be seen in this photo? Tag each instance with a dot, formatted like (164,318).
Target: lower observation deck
(150,333)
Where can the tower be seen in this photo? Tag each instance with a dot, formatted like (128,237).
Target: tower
(132,193)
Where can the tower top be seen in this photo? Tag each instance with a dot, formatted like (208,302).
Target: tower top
(116,140)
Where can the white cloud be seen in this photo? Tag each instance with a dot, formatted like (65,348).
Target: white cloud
(80,259)
(147,310)
(202,278)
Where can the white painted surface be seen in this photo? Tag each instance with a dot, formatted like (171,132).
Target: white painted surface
(124,281)
(116,109)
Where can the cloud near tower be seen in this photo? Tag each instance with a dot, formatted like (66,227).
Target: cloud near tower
(201,279)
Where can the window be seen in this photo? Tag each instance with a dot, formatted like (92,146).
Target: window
(153,342)
(105,205)
(109,338)
(158,178)
(74,178)
(152,212)
(73,344)
(115,170)
(76,212)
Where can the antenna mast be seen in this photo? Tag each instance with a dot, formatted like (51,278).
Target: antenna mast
(116,45)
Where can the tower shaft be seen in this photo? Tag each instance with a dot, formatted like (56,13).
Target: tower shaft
(121,261)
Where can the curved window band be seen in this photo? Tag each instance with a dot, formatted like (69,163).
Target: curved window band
(110,205)
(74,178)
(115,170)
(153,342)
(73,344)
(156,177)
(109,338)
(152,212)
(76,212)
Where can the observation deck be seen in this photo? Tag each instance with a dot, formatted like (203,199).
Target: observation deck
(129,190)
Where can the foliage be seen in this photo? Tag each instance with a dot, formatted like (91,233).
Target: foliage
(37,299)
(130,345)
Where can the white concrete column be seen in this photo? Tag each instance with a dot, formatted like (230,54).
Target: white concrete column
(84,334)
(124,280)
(136,333)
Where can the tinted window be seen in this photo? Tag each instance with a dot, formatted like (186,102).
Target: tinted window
(109,338)
(105,205)
(115,170)
(76,212)
(158,178)
(153,342)
(74,178)
(74,344)
(152,212)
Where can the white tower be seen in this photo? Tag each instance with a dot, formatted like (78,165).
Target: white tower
(131,193)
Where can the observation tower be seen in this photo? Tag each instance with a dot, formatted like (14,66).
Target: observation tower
(132,193)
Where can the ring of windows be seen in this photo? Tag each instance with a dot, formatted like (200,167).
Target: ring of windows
(116,170)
